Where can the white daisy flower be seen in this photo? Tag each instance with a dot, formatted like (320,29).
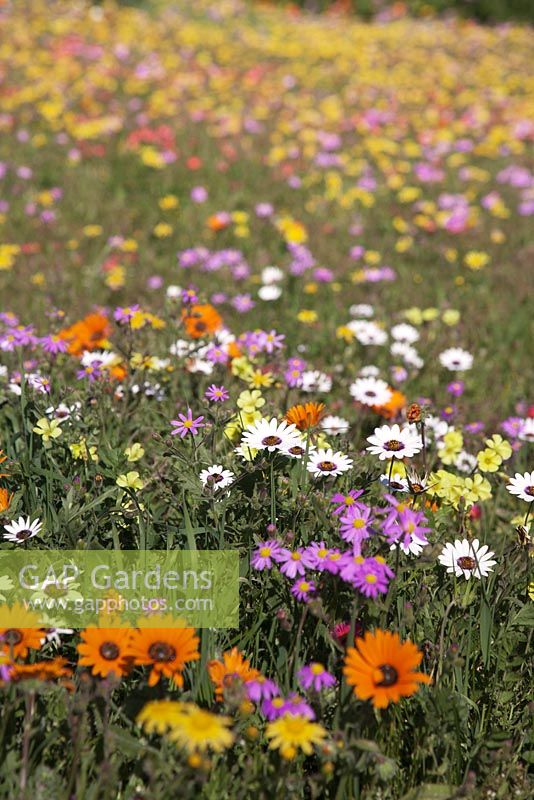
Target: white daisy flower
(522,486)
(415,547)
(405,333)
(173,292)
(526,434)
(216,477)
(271,275)
(271,435)
(361,310)
(334,426)
(455,359)
(181,348)
(367,333)
(392,442)
(269,292)
(369,371)
(63,411)
(467,558)
(437,427)
(299,450)
(315,381)
(104,358)
(396,484)
(371,391)
(465,462)
(326,462)
(199,365)
(22,530)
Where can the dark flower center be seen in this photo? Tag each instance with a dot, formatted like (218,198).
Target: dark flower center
(23,535)
(390,676)
(215,478)
(529,490)
(109,651)
(13,636)
(326,466)
(296,451)
(162,651)
(466,562)
(394,445)
(271,441)
(200,326)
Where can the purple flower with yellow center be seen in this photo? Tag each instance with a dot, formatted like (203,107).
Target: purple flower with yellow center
(315,676)
(273,708)
(292,563)
(217,394)
(370,579)
(302,589)
(261,688)
(345,501)
(408,525)
(53,344)
(266,555)
(125,314)
(456,388)
(186,424)
(295,704)
(315,555)
(92,372)
(355,526)
(332,562)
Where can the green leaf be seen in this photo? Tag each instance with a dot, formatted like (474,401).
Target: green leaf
(525,616)
(486,624)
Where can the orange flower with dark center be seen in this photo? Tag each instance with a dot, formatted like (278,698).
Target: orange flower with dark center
(201,320)
(234,665)
(51,670)
(381,668)
(106,650)
(393,407)
(167,650)
(306,416)
(89,333)
(16,642)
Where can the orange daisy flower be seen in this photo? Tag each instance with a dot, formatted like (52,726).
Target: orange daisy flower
(306,416)
(168,650)
(5,500)
(393,407)
(234,665)
(201,320)
(381,668)
(89,333)
(20,640)
(106,650)
(42,670)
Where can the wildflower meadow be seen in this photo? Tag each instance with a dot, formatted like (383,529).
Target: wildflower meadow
(265,282)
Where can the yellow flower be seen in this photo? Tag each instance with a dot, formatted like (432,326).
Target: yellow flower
(162,230)
(453,443)
(80,451)
(476,489)
(92,230)
(196,730)
(499,446)
(290,733)
(48,429)
(159,716)
(451,317)
(475,259)
(488,460)
(307,316)
(531,590)
(343,332)
(130,480)
(258,378)
(134,452)
(168,202)
(249,401)
(430,314)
